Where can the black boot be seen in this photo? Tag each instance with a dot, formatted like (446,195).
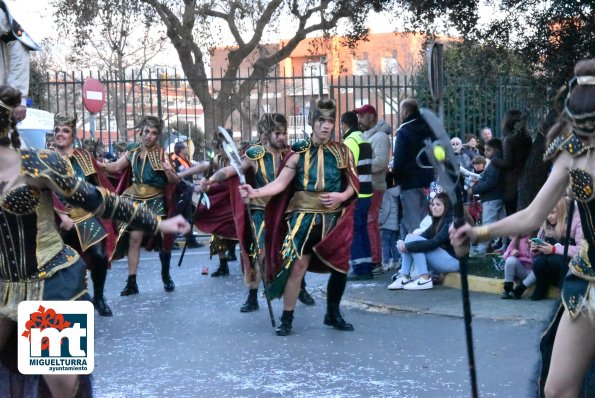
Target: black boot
(223,269)
(285,328)
(131,287)
(334,318)
(98,276)
(507,293)
(305,297)
(540,291)
(251,303)
(168,283)
(519,290)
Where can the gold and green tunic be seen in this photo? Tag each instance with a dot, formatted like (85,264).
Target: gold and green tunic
(35,264)
(266,170)
(88,228)
(148,179)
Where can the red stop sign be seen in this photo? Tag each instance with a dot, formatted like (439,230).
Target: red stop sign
(93,95)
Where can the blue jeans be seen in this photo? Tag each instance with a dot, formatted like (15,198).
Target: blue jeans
(389,246)
(361,256)
(438,260)
(415,207)
(493,210)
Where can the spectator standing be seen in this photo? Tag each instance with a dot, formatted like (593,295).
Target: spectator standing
(389,228)
(361,257)
(412,178)
(515,151)
(377,132)
(469,151)
(486,135)
(488,188)
(15,60)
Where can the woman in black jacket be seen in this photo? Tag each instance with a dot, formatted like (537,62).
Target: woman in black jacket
(430,250)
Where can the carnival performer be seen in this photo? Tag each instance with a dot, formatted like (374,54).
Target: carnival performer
(36,264)
(92,238)
(262,162)
(572,142)
(153,184)
(219,219)
(318,185)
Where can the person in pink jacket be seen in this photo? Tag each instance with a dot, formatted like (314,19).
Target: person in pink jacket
(517,266)
(548,250)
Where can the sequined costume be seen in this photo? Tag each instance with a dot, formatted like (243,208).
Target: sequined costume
(579,285)
(89,230)
(579,288)
(146,184)
(35,264)
(320,168)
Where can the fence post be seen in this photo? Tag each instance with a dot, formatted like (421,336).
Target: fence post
(462,110)
(159,110)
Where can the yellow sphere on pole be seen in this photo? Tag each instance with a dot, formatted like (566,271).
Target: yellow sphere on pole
(439,153)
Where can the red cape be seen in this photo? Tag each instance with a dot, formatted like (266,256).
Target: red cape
(333,251)
(226,217)
(170,191)
(100,180)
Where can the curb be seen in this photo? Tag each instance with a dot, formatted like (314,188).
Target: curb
(482,284)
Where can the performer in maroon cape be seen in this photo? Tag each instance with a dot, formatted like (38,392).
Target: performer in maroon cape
(317,185)
(225,217)
(93,238)
(153,186)
(261,164)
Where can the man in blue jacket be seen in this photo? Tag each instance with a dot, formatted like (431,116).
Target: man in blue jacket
(412,178)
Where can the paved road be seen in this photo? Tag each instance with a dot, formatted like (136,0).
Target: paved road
(195,343)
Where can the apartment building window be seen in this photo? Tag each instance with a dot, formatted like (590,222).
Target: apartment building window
(360,67)
(389,66)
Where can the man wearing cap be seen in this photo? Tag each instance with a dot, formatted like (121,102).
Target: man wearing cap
(377,132)
(412,178)
(309,218)
(361,258)
(153,178)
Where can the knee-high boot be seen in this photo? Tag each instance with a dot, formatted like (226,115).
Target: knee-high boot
(98,276)
(168,283)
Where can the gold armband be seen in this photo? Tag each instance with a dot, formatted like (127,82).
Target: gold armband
(483,234)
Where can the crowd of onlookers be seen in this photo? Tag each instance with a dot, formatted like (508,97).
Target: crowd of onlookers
(402,214)
(499,176)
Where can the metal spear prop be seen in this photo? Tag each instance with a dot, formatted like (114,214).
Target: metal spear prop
(442,158)
(234,160)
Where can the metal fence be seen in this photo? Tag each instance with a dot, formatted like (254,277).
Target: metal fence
(130,95)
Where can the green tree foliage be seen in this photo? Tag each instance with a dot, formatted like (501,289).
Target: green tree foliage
(550,36)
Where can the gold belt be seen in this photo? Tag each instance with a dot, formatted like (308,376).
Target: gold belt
(309,202)
(143,191)
(79,215)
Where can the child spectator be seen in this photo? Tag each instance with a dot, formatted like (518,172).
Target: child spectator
(548,255)
(389,228)
(489,190)
(431,250)
(517,266)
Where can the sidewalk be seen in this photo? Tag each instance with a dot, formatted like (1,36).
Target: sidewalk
(374,295)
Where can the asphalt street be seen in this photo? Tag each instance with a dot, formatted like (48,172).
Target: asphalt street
(194,342)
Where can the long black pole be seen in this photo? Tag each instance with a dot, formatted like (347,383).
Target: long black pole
(459,220)
(259,263)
